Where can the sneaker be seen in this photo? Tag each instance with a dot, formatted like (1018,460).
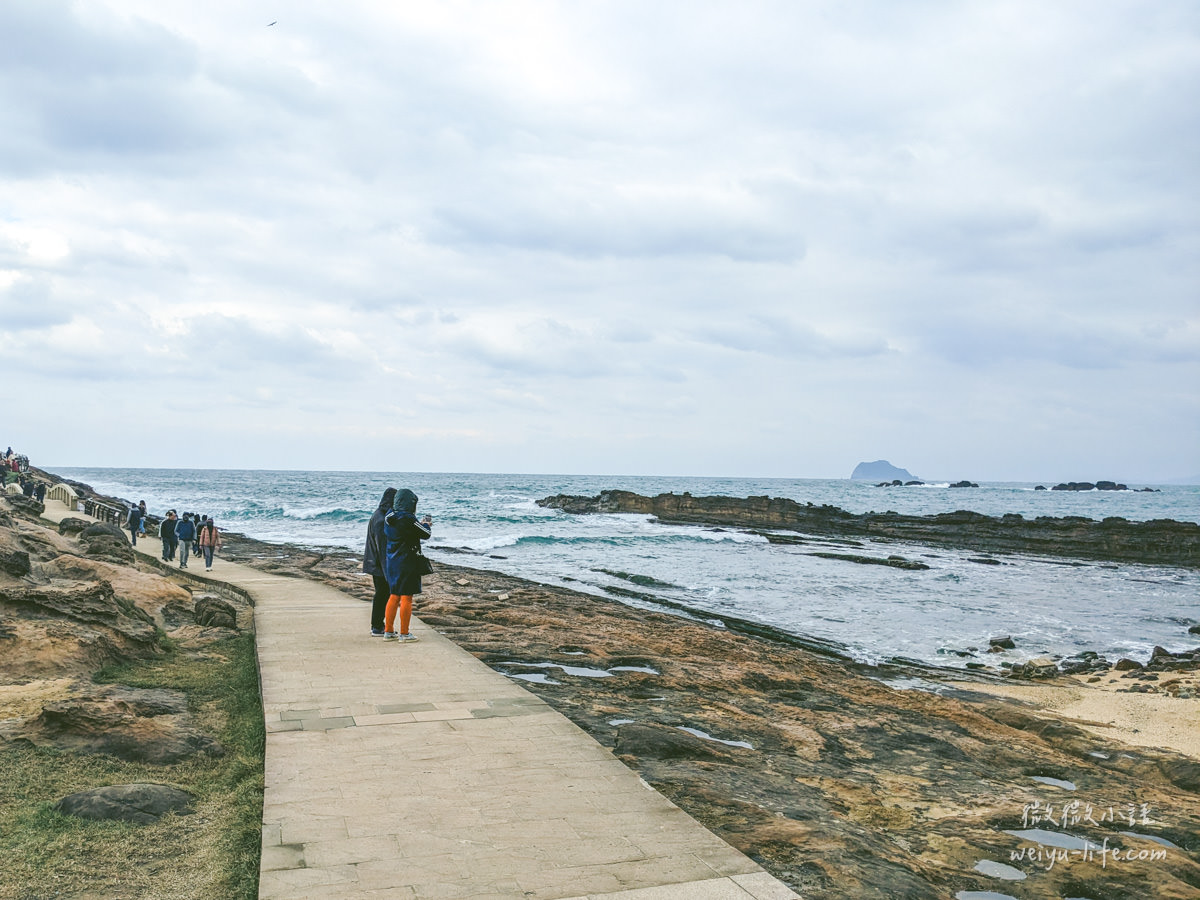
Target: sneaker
(376,632)
(389,635)
(408,638)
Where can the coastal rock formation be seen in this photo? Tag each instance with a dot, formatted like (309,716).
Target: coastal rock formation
(835,782)
(72,603)
(1160,541)
(141,804)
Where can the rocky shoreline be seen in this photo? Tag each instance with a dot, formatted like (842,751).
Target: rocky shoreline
(835,782)
(1158,542)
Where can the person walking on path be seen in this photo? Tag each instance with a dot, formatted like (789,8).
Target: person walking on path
(166,531)
(374,555)
(210,542)
(186,532)
(134,523)
(404,565)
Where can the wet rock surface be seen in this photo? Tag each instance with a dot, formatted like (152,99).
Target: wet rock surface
(836,783)
(1161,541)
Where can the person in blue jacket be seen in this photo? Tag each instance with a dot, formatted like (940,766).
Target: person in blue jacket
(134,523)
(374,555)
(186,532)
(403,563)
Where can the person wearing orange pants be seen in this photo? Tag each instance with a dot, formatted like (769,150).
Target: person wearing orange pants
(403,562)
(404,605)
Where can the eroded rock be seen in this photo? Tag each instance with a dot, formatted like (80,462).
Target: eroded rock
(129,723)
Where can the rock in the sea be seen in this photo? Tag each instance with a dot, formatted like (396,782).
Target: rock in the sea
(964,484)
(1159,541)
(1090,486)
(1003,642)
(1195,629)
(138,803)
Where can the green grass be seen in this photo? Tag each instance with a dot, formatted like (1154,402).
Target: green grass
(210,854)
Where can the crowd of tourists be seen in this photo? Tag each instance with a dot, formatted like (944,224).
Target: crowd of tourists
(191,534)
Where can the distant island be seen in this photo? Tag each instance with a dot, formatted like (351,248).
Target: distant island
(881,470)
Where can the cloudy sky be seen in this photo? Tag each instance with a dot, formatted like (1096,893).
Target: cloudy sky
(751,238)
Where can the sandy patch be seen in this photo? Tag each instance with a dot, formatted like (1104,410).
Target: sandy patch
(1143,720)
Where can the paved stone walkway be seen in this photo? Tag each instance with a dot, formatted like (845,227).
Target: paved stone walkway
(415,771)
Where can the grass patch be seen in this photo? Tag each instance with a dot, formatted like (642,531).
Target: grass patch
(211,854)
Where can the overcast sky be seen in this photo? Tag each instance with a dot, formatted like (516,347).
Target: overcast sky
(751,238)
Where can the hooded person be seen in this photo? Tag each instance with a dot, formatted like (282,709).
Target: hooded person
(374,555)
(403,563)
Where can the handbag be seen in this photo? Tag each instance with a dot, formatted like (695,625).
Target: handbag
(424,566)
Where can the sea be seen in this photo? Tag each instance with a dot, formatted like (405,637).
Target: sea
(943,615)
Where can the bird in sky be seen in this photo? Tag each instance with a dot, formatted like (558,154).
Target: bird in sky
(269,24)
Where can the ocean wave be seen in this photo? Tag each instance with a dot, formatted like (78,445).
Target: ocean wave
(324,513)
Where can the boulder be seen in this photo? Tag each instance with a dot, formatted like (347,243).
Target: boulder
(138,803)
(104,541)
(215,612)
(1002,642)
(1042,667)
(1127,665)
(98,529)
(72,525)
(964,484)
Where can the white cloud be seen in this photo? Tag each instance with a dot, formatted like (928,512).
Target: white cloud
(770,238)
